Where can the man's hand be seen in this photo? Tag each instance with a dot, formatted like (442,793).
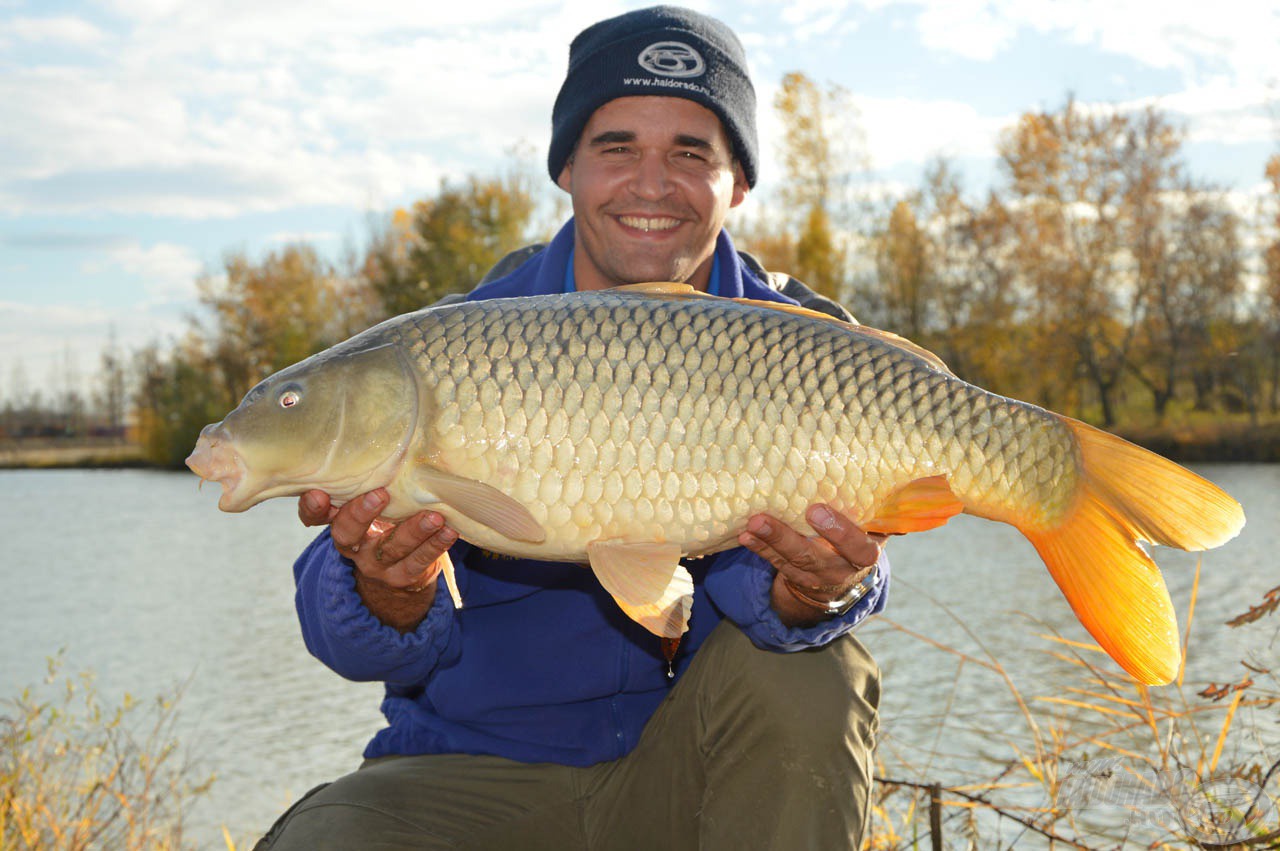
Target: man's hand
(823,568)
(396,564)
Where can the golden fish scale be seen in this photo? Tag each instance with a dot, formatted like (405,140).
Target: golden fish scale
(616,416)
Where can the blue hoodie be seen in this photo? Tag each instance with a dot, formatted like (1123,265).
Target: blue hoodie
(540,665)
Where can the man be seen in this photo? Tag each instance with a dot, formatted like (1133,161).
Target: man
(539,716)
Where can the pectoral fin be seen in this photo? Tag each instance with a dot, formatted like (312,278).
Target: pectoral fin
(483,504)
(648,583)
(918,505)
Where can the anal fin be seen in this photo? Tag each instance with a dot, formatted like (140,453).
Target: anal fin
(921,504)
(648,583)
(451,580)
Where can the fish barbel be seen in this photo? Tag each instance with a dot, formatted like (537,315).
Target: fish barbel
(632,427)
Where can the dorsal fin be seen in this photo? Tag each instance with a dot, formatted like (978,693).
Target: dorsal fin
(659,288)
(672,290)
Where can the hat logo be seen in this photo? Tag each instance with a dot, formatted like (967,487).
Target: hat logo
(672,59)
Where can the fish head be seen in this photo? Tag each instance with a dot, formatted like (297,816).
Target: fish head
(339,421)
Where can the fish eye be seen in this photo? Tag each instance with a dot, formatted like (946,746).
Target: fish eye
(290,397)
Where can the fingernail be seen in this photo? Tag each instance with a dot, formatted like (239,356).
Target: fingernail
(429,524)
(820,517)
(762,527)
(311,500)
(372,501)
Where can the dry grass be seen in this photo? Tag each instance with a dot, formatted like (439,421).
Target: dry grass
(46,454)
(76,776)
(1101,763)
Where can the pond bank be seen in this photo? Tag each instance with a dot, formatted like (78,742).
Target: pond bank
(1188,444)
(53,453)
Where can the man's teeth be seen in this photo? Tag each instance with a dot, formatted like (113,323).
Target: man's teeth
(647,224)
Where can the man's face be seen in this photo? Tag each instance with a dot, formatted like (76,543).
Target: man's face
(652,179)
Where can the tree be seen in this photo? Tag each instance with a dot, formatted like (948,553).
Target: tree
(1085,189)
(1270,295)
(111,392)
(446,243)
(176,396)
(1195,268)
(903,263)
(809,231)
(266,315)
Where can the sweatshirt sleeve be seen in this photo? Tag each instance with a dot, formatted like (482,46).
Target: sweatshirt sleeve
(342,633)
(739,582)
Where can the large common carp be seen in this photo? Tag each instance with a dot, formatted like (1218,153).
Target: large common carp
(632,427)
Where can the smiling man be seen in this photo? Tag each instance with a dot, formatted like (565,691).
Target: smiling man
(538,715)
(652,181)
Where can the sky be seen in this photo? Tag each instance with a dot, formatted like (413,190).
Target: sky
(142,140)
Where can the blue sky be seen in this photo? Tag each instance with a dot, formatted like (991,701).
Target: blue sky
(142,139)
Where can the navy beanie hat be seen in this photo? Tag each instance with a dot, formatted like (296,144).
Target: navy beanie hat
(662,50)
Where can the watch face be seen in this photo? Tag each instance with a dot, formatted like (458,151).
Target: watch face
(840,607)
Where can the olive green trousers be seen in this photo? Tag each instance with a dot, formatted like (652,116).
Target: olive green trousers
(751,750)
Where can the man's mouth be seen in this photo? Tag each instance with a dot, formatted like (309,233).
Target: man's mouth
(649,224)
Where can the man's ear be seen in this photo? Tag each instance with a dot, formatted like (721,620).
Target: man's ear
(740,187)
(566,173)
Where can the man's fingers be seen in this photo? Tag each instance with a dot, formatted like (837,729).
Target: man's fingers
(786,543)
(830,561)
(405,538)
(420,565)
(313,508)
(853,544)
(351,523)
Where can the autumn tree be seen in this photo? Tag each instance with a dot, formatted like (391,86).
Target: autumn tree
(111,392)
(1194,267)
(256,318)
(174,398)
(904,274)
(1270,294)
(446,243)
(261,316)
(1085,188)
(808,230)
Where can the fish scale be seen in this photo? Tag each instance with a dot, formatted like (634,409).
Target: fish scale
(632,427)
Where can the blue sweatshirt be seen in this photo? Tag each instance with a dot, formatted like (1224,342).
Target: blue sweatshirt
(540,664)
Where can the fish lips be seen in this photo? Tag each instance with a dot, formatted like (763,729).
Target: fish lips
(215,460)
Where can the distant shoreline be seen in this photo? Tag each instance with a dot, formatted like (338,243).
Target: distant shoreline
(52,453)
(1211,442)
(1220,442)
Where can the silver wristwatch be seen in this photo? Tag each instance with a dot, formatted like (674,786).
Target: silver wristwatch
(841,605)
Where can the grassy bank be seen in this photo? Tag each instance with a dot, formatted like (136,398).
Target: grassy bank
(1210,440)
(1191,439)
(39,453)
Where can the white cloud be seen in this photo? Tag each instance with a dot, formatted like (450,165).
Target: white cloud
(166,271)
(901,130)
(63,29)
(312,237)
(1233,37)
(213,109)
(973,29)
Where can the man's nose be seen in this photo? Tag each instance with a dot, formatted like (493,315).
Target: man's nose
(651,178)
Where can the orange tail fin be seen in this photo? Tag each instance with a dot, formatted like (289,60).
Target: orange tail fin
(1128,495)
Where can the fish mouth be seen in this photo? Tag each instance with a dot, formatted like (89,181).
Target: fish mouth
(215,460)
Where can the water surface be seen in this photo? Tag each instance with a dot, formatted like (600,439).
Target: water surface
(137,576)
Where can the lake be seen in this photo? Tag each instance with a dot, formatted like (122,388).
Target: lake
(138,577)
